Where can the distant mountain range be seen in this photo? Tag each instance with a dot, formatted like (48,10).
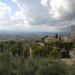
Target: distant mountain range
(28,35)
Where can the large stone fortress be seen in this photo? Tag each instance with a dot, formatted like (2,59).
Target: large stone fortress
(72,33)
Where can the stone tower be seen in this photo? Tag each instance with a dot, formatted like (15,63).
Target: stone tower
(72,33)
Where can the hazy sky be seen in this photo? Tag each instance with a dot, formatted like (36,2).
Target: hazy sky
(37,15)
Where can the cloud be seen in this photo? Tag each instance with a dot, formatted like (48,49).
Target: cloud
(9,21)
(44,2)
(45,12)
(34,11)
(39,15)
(5,11)
(60,9)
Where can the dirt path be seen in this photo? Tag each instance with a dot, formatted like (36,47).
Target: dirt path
(72,53)
(30,52)
(72,59)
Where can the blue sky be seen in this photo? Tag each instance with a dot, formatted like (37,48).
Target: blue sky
(13,6)
(37,15)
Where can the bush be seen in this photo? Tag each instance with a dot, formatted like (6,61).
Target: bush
(21,66)
(40,51)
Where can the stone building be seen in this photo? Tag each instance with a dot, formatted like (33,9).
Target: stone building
(72,33)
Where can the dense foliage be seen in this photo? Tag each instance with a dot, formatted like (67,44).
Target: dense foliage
(20,66)
(53,49)
(16,59)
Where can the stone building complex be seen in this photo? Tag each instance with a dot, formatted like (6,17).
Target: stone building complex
(72,33)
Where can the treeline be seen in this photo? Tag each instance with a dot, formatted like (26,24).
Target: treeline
(15,48)
(54,49)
